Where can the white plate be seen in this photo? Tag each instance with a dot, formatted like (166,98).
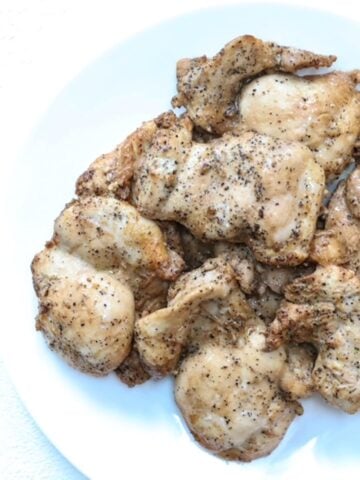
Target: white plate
(101,426)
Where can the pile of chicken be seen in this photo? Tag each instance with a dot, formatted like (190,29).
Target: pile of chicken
(206,246)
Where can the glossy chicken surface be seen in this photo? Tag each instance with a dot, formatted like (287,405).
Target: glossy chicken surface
(230,396)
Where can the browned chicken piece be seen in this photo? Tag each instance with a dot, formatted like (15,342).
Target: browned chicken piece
(210,290)
(105,265)
(339,242)
(111,174)
(87,316)
(229,393)
(324,309)
(110,234)
(225,190)
(296,380)
(227,386)
(321,111)
(208,87)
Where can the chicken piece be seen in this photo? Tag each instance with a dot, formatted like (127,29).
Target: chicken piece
(101,248)
(209,291)
(110,233)
(324,309)
(321,111)
(87,316)
(230,397)
(150,295)
(208,88)
(225,190)
(111,174)
(339,242)
(227,386)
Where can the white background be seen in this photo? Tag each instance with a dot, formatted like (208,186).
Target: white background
(43,45)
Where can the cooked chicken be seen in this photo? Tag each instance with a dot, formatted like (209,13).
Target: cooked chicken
(228,387)
(321,111)
(277,278)
(225,190)
(105,264)
(87,316)
(110,233)
(242,261)
(209,291)
(231,192)
(208,88)
(264,286)
(297,378)
(353,193)
(340,241)
(230,397)
(111,174)
(131,371)
(324,309)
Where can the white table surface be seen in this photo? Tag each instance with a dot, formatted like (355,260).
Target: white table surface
(43,45)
